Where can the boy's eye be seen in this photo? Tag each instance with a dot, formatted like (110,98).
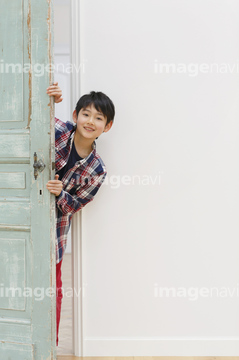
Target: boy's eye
(85,114)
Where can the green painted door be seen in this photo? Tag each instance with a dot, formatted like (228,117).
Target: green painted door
(27,209)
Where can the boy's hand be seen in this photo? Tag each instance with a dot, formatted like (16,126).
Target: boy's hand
(55,186)
(55,90)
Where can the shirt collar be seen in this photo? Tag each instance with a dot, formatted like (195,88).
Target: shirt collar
(91,155)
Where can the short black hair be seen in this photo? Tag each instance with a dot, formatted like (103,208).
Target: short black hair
(100,101)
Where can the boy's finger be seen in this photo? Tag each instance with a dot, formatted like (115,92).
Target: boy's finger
(53,192)
(54,188)
(53,182)
(58,100)
(53,89)
(54,92)
(57,94)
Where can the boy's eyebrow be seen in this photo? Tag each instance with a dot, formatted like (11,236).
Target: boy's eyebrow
(97,112)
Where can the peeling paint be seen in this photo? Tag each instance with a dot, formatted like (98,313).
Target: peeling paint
(30,72)
(51,160)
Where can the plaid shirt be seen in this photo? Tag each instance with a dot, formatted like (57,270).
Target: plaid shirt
(80,183)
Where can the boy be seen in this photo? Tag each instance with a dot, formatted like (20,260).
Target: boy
(79,169)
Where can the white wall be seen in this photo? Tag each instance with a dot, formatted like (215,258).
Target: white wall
(62,62)
(182,231)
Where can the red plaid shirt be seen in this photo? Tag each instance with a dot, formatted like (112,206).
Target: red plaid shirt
(80,183)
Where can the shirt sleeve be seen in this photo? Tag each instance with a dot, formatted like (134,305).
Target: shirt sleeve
(59,127)
(69,204)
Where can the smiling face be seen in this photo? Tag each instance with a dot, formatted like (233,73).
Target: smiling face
(91,123)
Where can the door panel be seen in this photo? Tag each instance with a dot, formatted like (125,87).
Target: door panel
(15,34)
(14,273)
(14,145)
(27,209)
(9,350)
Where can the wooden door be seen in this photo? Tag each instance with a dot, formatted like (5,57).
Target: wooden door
(27,209)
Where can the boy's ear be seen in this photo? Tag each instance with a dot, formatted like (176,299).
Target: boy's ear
(108,126)
(74,117)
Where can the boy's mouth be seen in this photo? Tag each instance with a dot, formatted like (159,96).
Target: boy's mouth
(89,129)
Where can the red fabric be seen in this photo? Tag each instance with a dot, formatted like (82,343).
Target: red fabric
(59,296)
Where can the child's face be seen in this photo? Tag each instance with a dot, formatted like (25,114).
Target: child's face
(91,123)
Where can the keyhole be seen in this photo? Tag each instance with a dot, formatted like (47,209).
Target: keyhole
(40,192)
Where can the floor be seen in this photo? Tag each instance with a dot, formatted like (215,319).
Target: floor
(152,358)
(65,345)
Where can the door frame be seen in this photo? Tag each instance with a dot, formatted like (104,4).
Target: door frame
(76,234)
